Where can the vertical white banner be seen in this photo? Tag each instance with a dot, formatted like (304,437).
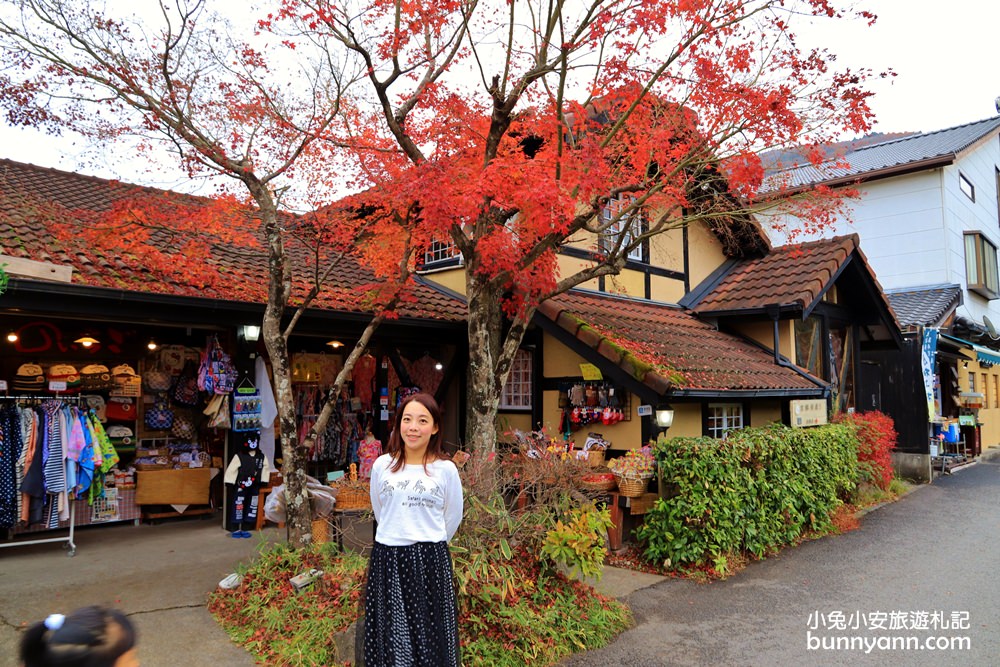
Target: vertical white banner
(927,354)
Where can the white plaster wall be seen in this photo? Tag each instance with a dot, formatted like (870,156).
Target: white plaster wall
(911,226)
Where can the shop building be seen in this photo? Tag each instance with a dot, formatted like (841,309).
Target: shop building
(69,310)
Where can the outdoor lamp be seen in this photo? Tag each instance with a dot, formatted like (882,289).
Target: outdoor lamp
(151,344)
(12,337)
(335,344)
(251,332)
(87,341)
(664,416)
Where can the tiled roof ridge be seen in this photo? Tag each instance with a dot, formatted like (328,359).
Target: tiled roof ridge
(894,141)
(830,241)
(97,180)
(921,288)
(922,135)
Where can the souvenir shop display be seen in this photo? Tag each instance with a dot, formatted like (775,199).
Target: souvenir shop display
(126,381)
(52,452)
(586,403)
(95,377)
(246,407)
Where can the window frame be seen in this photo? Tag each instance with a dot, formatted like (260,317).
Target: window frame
(982,274)
(522,375)
(966,186)
(624,225)
(711,431)
(442,254)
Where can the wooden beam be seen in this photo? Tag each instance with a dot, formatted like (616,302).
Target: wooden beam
(29,268)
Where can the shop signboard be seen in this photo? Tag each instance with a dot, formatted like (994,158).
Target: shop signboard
(808,412)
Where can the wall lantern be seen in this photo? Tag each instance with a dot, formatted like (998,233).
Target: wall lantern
(251,332)
(664,416)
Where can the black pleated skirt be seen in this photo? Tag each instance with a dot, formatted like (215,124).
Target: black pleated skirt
(411,614)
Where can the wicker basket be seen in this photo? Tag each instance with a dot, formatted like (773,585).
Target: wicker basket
(632,487)
(353,498)
(606,485)
(320,530)
(595,458)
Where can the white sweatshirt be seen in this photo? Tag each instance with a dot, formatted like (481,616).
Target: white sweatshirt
(413,506)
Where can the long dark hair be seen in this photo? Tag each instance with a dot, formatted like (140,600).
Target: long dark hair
(88,637)
(434,447)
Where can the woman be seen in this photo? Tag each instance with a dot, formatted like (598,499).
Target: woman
(87,637)
(411,612)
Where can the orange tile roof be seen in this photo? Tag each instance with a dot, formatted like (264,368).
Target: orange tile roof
(31,195)
(668,348)
(789,276)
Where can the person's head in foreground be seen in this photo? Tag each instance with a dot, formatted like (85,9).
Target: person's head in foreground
(88,637)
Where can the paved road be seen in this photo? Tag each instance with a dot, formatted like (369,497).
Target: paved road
(937,549)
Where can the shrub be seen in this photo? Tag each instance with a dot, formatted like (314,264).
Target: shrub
(755,490)
(876,434)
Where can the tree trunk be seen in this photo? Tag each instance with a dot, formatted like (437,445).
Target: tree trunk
(485,320)
(297,506)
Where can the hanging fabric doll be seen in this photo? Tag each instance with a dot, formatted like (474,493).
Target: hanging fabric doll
(369,450)
(245,473)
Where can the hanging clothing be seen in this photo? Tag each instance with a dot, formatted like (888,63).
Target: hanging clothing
(11,446)
(268,409)
(363,375)
(369,449)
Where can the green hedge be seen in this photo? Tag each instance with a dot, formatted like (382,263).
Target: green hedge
(756,490)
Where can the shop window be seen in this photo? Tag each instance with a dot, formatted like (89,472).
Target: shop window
(981,265)
(723,418)
(972,383)
(624,225)
(996,391)
(517,392)
(986,389)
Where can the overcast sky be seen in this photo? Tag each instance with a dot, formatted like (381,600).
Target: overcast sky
(945,55)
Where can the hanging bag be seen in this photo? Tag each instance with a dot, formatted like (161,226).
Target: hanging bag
(185,390)
(157,380)
(159,417)
(216,373)
(183,428)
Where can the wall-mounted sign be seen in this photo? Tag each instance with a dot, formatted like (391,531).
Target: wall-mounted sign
(591,372)
(808,412)
(644,410)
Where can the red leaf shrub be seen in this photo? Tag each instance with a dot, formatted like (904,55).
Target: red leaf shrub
(876,439)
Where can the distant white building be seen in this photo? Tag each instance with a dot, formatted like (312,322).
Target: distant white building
(928,218)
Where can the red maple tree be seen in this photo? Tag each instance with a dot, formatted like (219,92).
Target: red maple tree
(504,128)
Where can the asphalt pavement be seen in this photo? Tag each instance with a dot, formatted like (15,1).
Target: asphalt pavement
(914,566)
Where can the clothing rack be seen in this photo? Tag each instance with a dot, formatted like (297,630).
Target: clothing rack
(68,539)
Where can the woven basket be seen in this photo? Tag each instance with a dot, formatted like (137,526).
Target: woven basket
(320,531)
(631,487)
(349,498)
(606,485)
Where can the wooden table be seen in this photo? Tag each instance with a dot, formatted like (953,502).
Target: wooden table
(619,505)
